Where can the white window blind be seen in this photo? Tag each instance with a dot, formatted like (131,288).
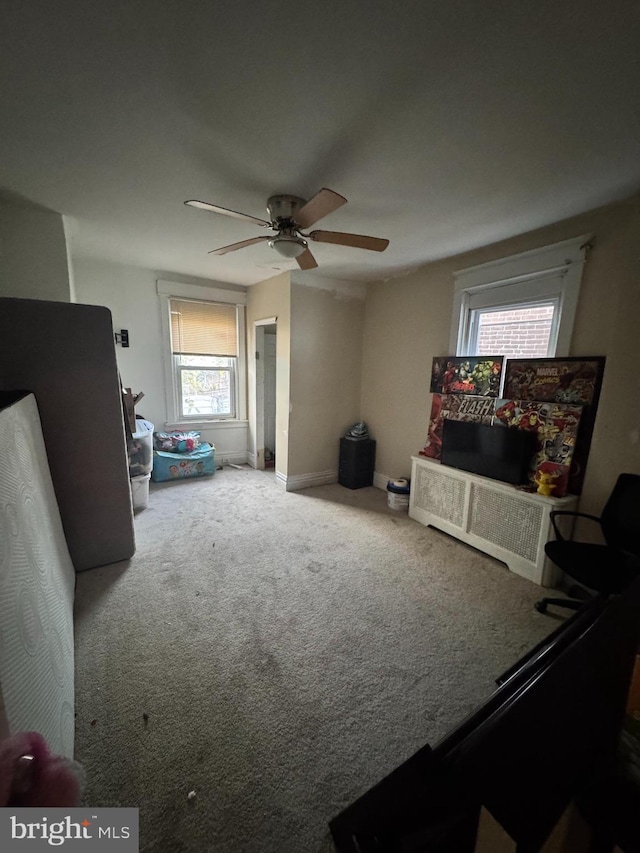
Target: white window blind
(203,328)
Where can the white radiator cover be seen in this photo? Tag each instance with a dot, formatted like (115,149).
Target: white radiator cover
(497,518)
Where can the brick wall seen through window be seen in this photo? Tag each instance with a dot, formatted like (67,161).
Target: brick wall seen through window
(515,333)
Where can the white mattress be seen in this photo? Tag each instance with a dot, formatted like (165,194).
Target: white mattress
(37,581)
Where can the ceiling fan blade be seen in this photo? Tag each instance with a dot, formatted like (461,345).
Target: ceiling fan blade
(233,247)
(306,261)
(214,208)
(357,241)
(321,204)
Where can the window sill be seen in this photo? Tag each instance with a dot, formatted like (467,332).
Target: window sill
(226,423)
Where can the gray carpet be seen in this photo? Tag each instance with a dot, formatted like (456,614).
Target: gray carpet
(287,649)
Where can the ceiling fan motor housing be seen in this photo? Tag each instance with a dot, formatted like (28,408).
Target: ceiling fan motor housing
(282,209)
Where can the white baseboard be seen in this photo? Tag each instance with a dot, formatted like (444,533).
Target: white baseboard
(238,457)
(304,481)
(380,480)
(298,481)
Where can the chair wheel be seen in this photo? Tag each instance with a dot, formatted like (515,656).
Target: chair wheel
(541,606)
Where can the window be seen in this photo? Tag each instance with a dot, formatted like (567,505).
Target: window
(523,331)
(206,364)
(204,346)
(206,386)
(204,354)
(520,307)
(515,331)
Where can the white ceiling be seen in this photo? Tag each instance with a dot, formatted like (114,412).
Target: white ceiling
(447,125)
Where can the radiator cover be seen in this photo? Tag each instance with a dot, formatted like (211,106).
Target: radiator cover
(494,517)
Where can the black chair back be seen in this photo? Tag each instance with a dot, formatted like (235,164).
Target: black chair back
(620,517)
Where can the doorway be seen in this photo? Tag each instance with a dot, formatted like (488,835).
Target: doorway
(265,435)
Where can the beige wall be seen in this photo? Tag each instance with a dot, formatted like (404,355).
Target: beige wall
(131,295)
(33,252)
(407,322)
(326,359)
(271,298)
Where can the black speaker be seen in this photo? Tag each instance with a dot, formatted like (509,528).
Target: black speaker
(356,464)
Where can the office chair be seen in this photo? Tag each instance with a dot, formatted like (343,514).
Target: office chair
(608,569)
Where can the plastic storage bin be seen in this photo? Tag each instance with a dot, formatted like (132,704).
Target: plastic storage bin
(180,466)
(140,491)
(140,448)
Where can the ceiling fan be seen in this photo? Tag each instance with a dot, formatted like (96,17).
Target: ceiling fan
(288,215)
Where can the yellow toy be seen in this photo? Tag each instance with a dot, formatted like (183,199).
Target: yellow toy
(545,484)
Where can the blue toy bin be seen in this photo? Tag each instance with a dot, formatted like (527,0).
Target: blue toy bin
(183,466)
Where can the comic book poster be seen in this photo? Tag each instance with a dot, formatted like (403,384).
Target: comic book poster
(575,381)
(478,375)
(454,407)
(556,428)
(555,380)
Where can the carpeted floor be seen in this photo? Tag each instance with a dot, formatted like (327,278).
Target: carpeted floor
(278,653)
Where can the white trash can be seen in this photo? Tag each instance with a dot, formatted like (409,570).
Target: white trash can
(398,492)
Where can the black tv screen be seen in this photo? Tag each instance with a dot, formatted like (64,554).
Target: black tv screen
(501,453)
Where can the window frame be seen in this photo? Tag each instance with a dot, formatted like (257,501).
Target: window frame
(550,273)
(168,290)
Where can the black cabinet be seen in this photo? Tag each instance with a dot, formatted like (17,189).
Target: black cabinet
(356,464)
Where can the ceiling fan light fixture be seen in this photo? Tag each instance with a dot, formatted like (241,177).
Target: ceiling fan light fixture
(288,246)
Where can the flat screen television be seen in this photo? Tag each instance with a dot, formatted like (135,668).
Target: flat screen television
(545,737)
(498,452)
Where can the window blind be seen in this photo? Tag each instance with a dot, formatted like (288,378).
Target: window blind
(203,328)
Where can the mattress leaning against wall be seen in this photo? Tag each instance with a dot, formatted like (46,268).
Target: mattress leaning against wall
(37,581)
(65,354)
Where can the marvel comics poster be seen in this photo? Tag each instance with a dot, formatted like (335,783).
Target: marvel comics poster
(574,381)
(478,375)
(555,380)
(556,428)
(454,407)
